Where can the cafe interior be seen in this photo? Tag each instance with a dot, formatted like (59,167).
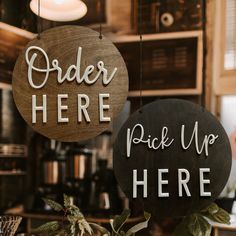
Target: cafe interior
(188,52)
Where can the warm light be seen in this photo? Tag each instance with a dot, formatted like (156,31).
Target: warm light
(59,1)
(59,10)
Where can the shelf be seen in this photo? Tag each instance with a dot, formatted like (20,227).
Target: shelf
(12,173)
(116,38)
(13,151)
(166,69)
(13,157)
(88,218)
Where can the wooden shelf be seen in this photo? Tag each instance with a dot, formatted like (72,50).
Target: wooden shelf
(32,218)
(13,151)
(13,156)
(12,173)
(160,74)
(118,38)
(97,220)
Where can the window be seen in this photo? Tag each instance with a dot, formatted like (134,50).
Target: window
(230,36)
(224,61)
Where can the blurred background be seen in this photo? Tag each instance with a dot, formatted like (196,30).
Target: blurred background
(189,52)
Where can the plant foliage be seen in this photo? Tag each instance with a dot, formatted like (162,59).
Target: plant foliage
(198,224)
(75,224)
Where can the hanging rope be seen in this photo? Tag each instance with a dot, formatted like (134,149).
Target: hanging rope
(99,10)
(39,21)
(202,97)
(141,50)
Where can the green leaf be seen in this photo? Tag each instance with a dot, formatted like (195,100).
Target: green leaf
(86,226)
(72,229)
(82,229)
(182,228)
(100,229)
(72,219)
(61,232)
(75,211)
(193,225)
(67,201)
(139,226)
(119,221)
(216,214)
(198,226)
(48,227)
(54,205)
(211,209)
(221,216)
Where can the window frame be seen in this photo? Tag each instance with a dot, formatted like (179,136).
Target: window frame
(224,81)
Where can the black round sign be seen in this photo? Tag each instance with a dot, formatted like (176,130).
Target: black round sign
(174,156)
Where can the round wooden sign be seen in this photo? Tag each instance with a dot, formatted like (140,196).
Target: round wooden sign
(174,157)
(70,84)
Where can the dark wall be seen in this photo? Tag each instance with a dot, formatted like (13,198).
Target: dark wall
(12,126)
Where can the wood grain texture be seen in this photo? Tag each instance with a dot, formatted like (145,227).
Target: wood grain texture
(173,113)
(62,43)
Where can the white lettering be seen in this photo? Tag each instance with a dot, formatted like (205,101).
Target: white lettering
(203,182)
(103,107)
(208,140)
(82,109)
(137,183)
(152,143)
(72,73)
(183,182)
(61,108)
(36,108)
(162,182)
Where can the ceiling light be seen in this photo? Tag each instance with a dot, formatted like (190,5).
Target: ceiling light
(59,10)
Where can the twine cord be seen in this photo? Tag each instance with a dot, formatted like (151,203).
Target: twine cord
(99,7)
(141,51)
(39,20)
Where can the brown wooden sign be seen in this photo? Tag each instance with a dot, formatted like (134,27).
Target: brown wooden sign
(70,84)
(174,157)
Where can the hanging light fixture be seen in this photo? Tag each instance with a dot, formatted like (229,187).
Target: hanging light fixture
(59,10)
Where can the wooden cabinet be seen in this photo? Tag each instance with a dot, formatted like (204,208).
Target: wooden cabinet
(172,63)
